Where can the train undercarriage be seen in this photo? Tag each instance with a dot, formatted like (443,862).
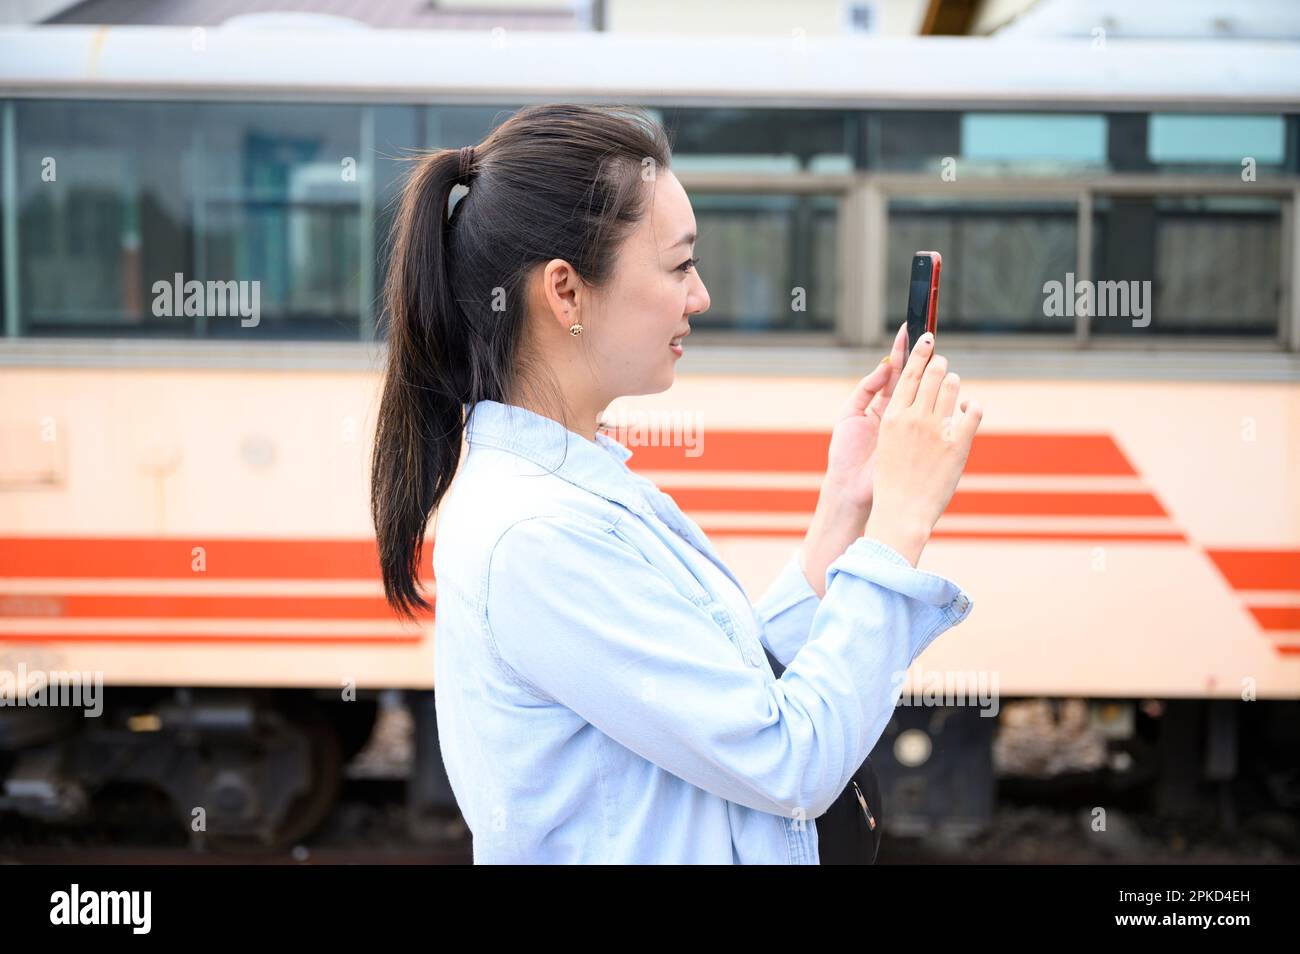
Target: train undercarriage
(261,769)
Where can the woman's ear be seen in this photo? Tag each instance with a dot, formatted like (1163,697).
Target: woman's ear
(562,292)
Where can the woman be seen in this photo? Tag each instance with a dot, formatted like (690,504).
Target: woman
(602,690)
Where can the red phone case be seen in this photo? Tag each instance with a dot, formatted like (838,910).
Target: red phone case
(930,319)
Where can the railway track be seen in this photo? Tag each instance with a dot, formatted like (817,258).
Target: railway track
(370,833)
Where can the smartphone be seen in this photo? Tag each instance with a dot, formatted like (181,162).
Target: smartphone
(923,296)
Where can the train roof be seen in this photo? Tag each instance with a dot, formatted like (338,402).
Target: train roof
(847,71)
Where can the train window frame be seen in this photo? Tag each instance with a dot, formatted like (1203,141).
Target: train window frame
(837,186)
(860,315)
(882,188)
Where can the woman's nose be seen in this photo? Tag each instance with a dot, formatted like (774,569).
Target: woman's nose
(700,299)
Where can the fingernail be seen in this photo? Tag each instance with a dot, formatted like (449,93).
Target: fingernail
(885,360)
(927,338)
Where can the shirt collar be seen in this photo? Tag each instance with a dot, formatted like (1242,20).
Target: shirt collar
(599,467)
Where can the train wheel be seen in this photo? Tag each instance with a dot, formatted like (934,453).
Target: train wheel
(309,808)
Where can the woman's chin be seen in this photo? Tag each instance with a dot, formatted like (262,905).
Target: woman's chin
(656,386)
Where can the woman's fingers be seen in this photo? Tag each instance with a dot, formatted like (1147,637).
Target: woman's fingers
(898,354)
(867,388)
(948,390)
(905,392)
(897,358)
(880,400)
(969,421)
(873,391)
(930,381)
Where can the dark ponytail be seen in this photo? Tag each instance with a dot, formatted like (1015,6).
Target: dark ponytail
(563,181)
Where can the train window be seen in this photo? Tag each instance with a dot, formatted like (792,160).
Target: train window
(998,256)
(1213,264)
(270,206)
(1056,143)
(770,261)
(761,140)
(100,210)
(1216,140)
(189,219)
(912,141)
(987,143)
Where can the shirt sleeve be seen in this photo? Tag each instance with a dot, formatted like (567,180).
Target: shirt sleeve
(786,610)
(578,615)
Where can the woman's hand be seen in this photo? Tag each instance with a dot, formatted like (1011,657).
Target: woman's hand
(923,447)
(847,489)
(850,470)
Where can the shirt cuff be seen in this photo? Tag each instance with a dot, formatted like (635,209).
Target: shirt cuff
(880,563)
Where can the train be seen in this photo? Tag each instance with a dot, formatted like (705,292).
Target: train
(185,542)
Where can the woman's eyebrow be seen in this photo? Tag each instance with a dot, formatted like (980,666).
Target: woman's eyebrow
(686,239)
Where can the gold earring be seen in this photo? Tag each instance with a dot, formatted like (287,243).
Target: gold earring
(575,329)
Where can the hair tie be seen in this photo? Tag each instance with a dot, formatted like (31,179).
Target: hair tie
(466,160)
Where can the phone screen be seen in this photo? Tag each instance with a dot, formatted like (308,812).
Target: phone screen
(918,299)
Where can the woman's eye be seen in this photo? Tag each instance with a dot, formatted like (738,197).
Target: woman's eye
(688,264)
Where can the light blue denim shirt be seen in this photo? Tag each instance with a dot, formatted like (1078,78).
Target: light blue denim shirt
(601,689)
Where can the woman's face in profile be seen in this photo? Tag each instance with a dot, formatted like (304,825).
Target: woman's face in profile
(654,290)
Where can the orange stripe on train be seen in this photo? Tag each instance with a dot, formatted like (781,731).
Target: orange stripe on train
(377,639)
(986,502)
(805,452)
(1259,569)
(1038,536)
(82,606)
(1277,617)
(173,558)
